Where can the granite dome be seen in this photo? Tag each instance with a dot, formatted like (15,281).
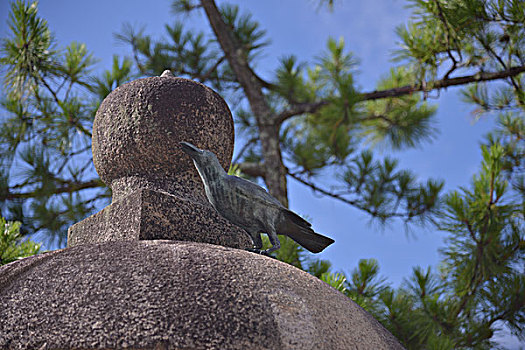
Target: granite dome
(175,295)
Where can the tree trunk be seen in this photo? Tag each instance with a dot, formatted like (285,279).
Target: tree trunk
(275,178)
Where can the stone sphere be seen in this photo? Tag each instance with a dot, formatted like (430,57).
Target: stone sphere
(139,125)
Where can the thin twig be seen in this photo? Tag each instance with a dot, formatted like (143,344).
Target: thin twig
(243,149)
(206,75)
(70,187)
(447,38)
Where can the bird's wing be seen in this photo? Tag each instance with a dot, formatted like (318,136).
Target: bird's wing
(248,189)
(293,226)
(253,192)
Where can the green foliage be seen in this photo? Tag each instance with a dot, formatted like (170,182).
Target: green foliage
(510,134)
(336,280)
(47,179)
(246,30)
(235,170)
(381,190)
(402,122)
(460,35)
(119,74)
(30,51)
(193,54)
(485,252)
(329,138)
(290,252)
(183,6)
(366,284)
(12,245)
(291,83)
(481,281)
(317,267)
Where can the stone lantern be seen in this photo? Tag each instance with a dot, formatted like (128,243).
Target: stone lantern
(158,268)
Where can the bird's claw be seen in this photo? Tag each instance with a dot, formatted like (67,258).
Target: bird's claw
(259,251)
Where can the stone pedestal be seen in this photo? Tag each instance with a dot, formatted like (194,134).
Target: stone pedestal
(149,215)
(157,192)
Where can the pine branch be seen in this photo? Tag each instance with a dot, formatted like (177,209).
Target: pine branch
(234,53)
(66,211)
(136,58)
(442,84)
(210,71)
(301,108)
(264,83)
(316,188)
(380,212)
(243,149)
(69,156)
(298,109)
(477,276)
(442,18)
(50,90)
(67,187)
(491,51)
(59,103)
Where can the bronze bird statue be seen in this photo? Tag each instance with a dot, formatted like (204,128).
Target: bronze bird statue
(251,207)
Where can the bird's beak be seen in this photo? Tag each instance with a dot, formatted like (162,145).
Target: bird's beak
(190,150)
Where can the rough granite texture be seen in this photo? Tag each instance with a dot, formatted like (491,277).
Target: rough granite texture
(139,125)
(175,295)
(149,215)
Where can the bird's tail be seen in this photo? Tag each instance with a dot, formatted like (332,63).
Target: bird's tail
(301,232)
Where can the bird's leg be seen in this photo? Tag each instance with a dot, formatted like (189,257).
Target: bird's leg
(274,240)
(257,243)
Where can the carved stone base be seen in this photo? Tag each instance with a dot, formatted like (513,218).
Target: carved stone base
(152,215)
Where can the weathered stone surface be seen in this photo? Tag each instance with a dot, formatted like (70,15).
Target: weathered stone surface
(148,215)
(139,125)
(175,295)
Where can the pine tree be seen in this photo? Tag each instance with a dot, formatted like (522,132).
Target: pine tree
(308,119)
(480,284)
(47,180)
(12,245)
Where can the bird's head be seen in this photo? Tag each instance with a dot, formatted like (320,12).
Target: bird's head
(201,157)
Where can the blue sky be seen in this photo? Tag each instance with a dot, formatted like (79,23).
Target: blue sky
(298,27)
